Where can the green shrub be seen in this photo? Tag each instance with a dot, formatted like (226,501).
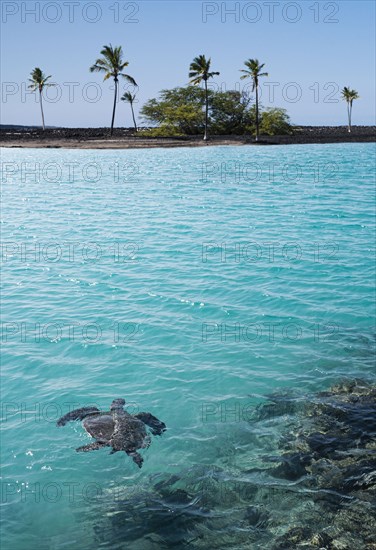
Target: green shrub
(179,112)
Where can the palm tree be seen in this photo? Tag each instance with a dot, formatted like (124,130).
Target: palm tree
(38,82)
(127,96)
(349,95)
(253,71)
(200,71)
(112,65)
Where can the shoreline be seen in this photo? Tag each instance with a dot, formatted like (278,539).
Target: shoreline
(123,138)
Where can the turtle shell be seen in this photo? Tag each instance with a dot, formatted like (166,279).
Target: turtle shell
(100,426)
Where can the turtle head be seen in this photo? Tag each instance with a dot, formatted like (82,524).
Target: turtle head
(117,404)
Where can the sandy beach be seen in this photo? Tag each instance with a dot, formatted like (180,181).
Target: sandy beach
(123,138)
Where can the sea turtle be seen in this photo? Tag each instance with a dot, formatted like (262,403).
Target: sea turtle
(116,428)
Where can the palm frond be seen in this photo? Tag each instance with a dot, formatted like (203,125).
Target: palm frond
(111,63)
(199,70)
(348,94)
(253,71)
(128,78)
(127,96)
(39,79)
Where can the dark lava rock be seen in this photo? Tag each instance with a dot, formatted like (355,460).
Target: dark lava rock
(303,538)
(300,134)
(257,517)
(292,538)
(293,466)
(330,448)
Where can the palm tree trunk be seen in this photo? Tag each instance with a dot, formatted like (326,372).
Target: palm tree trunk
(349,106)
(206,110)
(113,111)
(134,120)
(257,114)
(41,108)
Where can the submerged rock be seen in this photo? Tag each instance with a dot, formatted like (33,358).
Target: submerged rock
(330,450)
(257,517)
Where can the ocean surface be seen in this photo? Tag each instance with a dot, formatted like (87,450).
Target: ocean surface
(193,283)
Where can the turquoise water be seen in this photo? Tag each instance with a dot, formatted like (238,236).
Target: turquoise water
(191,282)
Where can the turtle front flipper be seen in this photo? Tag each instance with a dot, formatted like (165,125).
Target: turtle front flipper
(91,447)
(77,414)
(157,426)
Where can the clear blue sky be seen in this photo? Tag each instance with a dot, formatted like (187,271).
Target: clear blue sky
(310,49)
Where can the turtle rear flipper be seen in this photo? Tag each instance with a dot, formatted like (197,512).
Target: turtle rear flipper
(77,414)
(157,426)
(136,457)
(91,447)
